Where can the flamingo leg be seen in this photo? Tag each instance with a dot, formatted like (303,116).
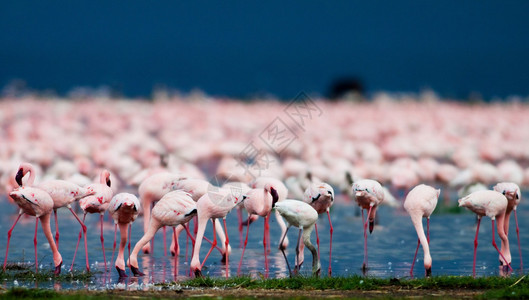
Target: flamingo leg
(152,241)
(317,238)
(244,245)
(84,234)
(175,251)
(226,243)
(189,234)
(130,229)
(187,244)
(518,235)
(283,251)
(77,245)
(496,246)
(56,228)
(297,266)
(9,237)
(265,242)
(114,247)
(164,241)
(364,265)
(103,242)
(239,217)
(476,247)
(213,245)
(330,242)
(35,244)
(415,257)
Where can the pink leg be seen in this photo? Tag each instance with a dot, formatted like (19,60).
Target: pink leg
(35,244)
(415,257)
(239,216)
(84,234)
(130,229)
(9,232)
(518,235)
(226,246)
(244,245)
(496,246)
(114,247)
(476,247)
(317,238)
(103,242)
(330,243)
(77,245)
(189,235)
(265,241)
(213,245)
(165,241)
(175,251)
(56,229)
(364,266)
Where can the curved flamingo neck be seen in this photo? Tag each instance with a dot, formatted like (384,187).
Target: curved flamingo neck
(28,168)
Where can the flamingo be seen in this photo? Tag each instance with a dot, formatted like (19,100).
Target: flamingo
(212,205)
(259,202)
(303,216)
(368,194)
(321,198)
(152,189)
(124,209)
(173,209)
(63,193)
(35,202)
(513,195)
(96,203)
(420,203)
(493,205)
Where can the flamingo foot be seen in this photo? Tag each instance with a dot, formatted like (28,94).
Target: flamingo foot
(429,272)
(198,273)
(58,269)
(121,272)
(136,272)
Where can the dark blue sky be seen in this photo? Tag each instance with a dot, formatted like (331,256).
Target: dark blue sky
(240,48)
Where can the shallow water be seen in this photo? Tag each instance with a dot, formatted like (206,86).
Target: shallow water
(390,247)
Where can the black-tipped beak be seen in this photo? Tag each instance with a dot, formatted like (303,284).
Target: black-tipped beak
(275,196)
(57,270)
(371,226)
(18,177)
(108,182)
(121,273)
(244,197)
(429,272)
(136,271)
(198,273)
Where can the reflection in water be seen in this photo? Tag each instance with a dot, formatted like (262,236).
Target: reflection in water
(391,248)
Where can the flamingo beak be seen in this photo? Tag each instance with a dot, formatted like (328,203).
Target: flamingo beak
(58,269)
(358,194)
(18,177)
(371,226)
(429,272)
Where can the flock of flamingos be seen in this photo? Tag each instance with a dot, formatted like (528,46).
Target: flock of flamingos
(276,158)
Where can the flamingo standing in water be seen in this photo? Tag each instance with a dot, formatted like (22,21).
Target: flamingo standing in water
(258,202)
(303,216)
(420,203)
(513,195)
(368,194)
(63,193)
(321,198)
(124,209)
(38,203)
(212,205)
(173,209)
(96,203)
(492,204)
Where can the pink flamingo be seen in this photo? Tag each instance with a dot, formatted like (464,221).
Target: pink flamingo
(368,194)
(35,202)
(321,198)
(152,189)
(124,209)
(303,216)
(258,202)
(420,203)
(212,205)
(96,203)
(63,193)
(513,195)
(491,204)
(173,209)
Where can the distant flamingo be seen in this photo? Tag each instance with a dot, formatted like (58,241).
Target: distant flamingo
(63,193)
(368,194)
(35,202)
(513,195)
(321,198)
(124,209)
(493,205)
(173,209)
(215,204)
(303,216)
(96,204)
(420,203)
(152,189)
(259,202)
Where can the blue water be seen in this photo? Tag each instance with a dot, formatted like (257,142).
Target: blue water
(391,247)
